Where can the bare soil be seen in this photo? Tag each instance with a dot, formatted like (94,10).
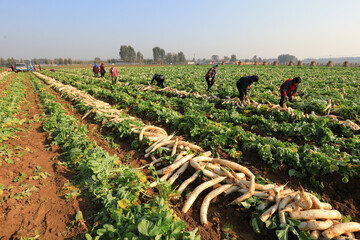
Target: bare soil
(30,207)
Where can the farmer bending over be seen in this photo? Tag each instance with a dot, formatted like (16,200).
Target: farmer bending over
(288,90)
(244,84)
(159,80)
(210,77)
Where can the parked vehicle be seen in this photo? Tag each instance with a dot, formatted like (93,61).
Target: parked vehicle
(21,67)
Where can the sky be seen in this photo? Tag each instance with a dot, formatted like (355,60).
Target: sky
(83,30)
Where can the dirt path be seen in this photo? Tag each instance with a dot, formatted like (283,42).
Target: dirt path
(33,184)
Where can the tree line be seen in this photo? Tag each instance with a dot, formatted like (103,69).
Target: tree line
(36,61)
(129,55)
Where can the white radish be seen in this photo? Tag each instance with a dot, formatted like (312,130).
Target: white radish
(263,205)
(319,225)
(206,154)
(178,173)
(190,145)
(315,225)
(316,204)
(142,133)
(326,206)
(234,166)
(316,214)
(267,214)
(197,166)
(341,228)
(256,193)
(285,201)
(154,144)
(259,186)
(191,199)
(315,235)
(248,194)
(291,207)
(303,199)
(175,165)
(282,218)
(173,152)
(188,181)
(154,161)
(218,170)
(206,202)
(232,190)
(160,144)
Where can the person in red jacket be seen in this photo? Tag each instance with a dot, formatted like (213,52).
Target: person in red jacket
(102,70)
(288,90)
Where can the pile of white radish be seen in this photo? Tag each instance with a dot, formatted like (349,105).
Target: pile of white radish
(225,177)
(4,74)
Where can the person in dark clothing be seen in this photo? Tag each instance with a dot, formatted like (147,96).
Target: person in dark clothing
(39,67)
(96,70)
(288,90)
(210,76)
(13,68)
(159,80)
(244,84)
(102,70)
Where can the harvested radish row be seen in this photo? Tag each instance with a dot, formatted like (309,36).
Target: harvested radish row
(224,176)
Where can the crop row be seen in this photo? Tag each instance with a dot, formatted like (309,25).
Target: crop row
(126,212)
(270,122)
(11,99)
(318,85)
(305,160)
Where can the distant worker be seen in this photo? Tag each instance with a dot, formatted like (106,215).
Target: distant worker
(288,90)
(96,70)
(159,80)
(244,84)
(13,68)
(102,70)
(34,68)
(114,74)
(31,68)
(39,68)
(210,77)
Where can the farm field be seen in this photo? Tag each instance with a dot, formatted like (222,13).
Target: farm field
(97,144)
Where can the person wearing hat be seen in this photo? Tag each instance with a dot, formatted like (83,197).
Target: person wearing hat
(102,70)
(244,84)
(113,73)
(288,90)
(159,80)
(210,77)
(96,70)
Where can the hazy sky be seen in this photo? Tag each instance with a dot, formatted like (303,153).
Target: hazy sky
(266,28)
